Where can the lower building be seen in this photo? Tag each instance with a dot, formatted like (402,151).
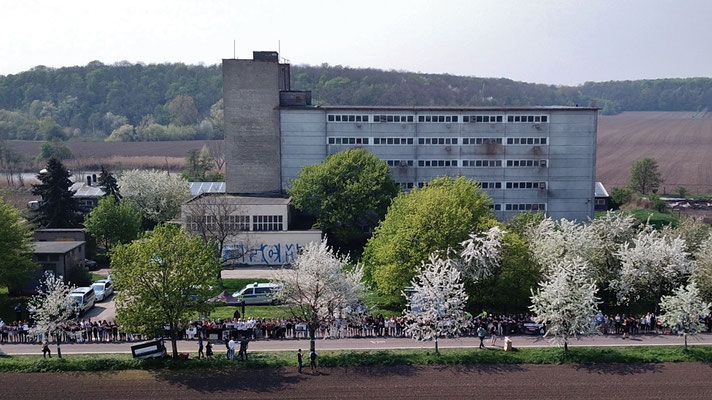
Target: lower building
(253,230)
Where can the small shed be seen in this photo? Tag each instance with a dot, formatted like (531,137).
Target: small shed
(602,200)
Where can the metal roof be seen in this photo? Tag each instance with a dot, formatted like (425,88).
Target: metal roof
(242,199)
(448,109)
(55,247)
(197,188)
(81,189)
(600,191)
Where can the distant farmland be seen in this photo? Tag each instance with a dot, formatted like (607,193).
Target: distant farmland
(680,141)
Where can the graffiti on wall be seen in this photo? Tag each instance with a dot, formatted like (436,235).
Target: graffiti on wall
(267,254)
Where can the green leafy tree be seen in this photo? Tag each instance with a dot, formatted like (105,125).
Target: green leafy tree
(163,279)
(54,149)
(435,218)
(197,165)
(112,223)
(108,183)
(644,176)
(183,110)
(16,266)
(58,208)
(620,196)
(348,194)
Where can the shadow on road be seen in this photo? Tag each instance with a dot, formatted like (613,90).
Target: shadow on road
(215,380)
(619,369)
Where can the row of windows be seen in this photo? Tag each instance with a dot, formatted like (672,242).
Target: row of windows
(526,163)
(399,163)
(525,207)
(347,118)
(482,163)
(525,185)
(393,118)
(395,141)
(491,185)
(482,140)
(437,118)
(523,140)
(267,223)
(349,140)
(471,163)
(437,141)
(437,163)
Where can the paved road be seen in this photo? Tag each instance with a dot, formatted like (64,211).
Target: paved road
(250,272)
(103,311)
(371,344)
(600,382)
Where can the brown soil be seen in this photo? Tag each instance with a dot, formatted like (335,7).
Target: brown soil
(632,381)
(679,141)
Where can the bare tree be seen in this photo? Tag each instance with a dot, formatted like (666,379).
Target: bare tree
(218,217)
(217,153)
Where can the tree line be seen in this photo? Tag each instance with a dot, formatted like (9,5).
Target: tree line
(139,102)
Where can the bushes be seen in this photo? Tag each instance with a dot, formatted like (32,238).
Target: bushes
(80,276)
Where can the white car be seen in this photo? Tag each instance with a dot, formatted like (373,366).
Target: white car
(258,293)
(102,289)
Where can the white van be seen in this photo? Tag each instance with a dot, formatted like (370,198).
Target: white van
(258,293)
(83,298)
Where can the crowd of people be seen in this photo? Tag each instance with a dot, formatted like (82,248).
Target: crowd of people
(100,331)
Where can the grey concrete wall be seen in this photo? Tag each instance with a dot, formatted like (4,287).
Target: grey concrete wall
(569,153)
(252,137)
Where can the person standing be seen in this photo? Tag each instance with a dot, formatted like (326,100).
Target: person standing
(209,351)
(200,347)
(493,336)
(45,350)
(299,361)
(312,360)
(481,334)
(243,349)
(231,350)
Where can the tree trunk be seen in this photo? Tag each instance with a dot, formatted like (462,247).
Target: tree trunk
(685,335)
(566,346)
(436,344)
(174,341)
(312,338)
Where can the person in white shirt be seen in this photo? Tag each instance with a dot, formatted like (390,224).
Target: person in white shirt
(231,350)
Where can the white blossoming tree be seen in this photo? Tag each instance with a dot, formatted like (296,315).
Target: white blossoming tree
(481,253)
(436,306)
(53,308)
(651,264)
(320,287)
(157,195)
(683,309)
(566,302)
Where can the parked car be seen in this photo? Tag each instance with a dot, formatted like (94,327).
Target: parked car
(83,299)
(103,289)
(90,264)
(258,293)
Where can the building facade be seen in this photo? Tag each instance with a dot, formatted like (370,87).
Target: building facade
(526,158)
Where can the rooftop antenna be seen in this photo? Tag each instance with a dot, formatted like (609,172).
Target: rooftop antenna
(234,47)
(279,47)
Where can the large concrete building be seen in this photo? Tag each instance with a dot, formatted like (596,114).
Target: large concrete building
(526,158)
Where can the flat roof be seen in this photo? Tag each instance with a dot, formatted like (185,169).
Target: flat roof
(450,108)
(55,247)
(81,189)
(197,188)
(244,199)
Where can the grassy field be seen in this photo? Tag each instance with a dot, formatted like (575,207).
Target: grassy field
(657,219)
(576,355)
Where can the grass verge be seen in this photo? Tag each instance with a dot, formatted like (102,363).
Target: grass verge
(576,355)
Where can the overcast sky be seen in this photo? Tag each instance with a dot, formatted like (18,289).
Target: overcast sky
(556,42)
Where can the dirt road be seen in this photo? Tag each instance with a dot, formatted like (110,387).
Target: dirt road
(649,381)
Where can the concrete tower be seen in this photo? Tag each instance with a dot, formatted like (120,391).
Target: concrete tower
(251,91)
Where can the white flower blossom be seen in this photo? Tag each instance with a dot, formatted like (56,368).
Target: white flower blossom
(319,286)
(481,253)
(651,264)
(566,302)
(53,307)
(683,310)
(436,306)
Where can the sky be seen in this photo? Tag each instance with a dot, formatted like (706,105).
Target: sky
(554,42)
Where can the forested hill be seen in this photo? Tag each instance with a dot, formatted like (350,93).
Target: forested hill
(132,102)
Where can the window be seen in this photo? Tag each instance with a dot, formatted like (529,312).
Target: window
(438,141)
(393,118)
(478,141)
(482,163)
(525,207)
(525,185)
(528,141)
(267,223)
(392,141)
(438,118)
(491,185)
(491,119)
(526,163)
(437,163)
(348,140)
(399,163)
(528,118)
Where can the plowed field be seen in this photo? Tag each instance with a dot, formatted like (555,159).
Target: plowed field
(681,142)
